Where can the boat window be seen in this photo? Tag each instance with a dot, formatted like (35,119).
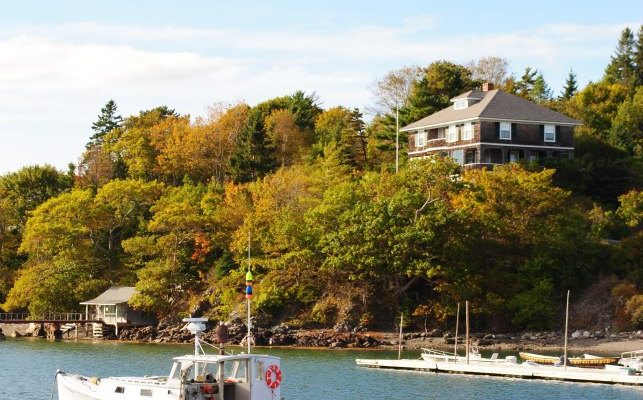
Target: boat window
(119,389)
(259,370)
(146,392)
(236,370)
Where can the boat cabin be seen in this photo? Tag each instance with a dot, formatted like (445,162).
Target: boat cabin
(227,377)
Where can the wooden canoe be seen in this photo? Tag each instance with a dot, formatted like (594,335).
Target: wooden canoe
(584,360)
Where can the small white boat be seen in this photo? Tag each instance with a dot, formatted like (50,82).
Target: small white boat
(438,356)
(632,360)
(192,377)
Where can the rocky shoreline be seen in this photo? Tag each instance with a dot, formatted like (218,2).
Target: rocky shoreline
(342,338)
(337,338)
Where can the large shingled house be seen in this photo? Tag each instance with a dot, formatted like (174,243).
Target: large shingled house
(489,126)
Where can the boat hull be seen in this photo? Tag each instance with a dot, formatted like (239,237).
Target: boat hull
(74,387)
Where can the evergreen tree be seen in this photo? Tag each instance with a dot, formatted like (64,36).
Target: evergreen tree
(621,66)
(107,121)
(526,84)
(570,87)
(540,91)
(638,57)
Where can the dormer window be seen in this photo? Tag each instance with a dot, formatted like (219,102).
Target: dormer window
(420,139)
(460,104)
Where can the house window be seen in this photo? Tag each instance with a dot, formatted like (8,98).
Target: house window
(441,133)
(505,130)
(468,131)
(146,392)
(470,156)
(458,156)
(550,133)
(119,389)
(420,139)
(460,104)
(514,156)
(453,134)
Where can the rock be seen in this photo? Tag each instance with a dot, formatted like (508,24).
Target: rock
(586,334)
(15,334)
(576,334)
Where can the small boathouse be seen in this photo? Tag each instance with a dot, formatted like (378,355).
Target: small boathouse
(111,308)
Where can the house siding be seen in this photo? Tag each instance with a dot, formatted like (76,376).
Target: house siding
(527,134)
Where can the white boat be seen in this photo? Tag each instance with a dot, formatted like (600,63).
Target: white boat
(192,377)
(439,356)
(632,360)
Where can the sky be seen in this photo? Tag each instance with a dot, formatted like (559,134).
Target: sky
(61,61)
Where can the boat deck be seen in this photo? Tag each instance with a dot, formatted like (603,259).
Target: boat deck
(525,371)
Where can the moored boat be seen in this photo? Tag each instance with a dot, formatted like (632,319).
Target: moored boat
(438,356)
(193,377)
(632,360)
(586,360)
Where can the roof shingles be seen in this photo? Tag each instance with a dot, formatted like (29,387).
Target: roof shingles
(495,104)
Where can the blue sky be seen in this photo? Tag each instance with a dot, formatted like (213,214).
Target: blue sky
(61,61)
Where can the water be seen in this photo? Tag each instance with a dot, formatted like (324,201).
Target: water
(27,368)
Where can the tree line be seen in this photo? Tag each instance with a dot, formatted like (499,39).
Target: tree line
(170,204)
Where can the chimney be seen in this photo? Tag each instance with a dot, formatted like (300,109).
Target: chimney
(487,86)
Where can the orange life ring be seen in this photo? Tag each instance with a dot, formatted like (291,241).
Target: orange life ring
(273,376)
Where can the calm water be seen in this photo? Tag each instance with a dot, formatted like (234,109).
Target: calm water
(27,368)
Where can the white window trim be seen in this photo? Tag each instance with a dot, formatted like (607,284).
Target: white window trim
(467,132)
(452,135)
(460,104)
(505,125)
(420,139)
(552,130)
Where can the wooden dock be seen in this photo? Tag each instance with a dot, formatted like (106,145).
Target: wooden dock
(510,370)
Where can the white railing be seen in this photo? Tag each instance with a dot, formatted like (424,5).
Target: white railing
(49,316)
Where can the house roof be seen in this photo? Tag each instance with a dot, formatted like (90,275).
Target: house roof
(471,94)
(112,296)
(495,104)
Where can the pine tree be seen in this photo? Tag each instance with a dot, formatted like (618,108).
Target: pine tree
(638,57)
(570,87)
(526,83)
(107,121)
(621,66)
(540,91)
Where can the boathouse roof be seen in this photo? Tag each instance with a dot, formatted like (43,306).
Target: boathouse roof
(112,296)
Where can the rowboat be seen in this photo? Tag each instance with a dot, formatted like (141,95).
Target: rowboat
(587,360)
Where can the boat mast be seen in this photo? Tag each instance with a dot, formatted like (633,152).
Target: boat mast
(399,344)
(466,305)
(249,294)
(566,330)
(457,322)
